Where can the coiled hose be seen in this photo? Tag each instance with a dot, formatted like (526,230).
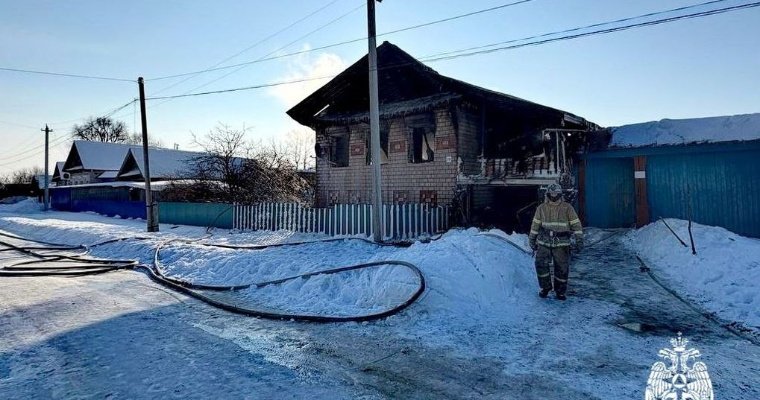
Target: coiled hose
(78,264)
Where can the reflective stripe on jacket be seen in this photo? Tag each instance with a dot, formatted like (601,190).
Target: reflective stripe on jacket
(554,223)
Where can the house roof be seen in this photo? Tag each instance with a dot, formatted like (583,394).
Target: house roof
(405,86)
(164,164)
(88,155)
(687,131)
(58,169)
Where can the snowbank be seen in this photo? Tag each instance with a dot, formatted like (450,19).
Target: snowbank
(723,276)
(19,205)
(471,277)
(682,131)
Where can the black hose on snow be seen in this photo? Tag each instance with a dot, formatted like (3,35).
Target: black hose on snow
(89,266)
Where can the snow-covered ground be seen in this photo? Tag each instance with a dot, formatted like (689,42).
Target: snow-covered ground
(478,331)
(724,275)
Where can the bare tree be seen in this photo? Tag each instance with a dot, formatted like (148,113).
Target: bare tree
(23,175)
(236,170)
(101,129)
(136,139)
(299,145)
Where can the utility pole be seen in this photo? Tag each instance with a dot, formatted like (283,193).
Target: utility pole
(47,184)
(374,124)
(150,208)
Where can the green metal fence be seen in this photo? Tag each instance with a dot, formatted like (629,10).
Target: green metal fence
(217,215)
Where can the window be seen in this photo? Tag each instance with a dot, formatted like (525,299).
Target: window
(423,145)
(339,151)
(421,130)
(385,128)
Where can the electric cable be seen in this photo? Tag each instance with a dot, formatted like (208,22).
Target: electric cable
(464,53)
(274,51)
(28,71)
(361,39)
(212,68)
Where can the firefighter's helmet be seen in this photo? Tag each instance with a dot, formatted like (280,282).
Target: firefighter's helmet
(554,189)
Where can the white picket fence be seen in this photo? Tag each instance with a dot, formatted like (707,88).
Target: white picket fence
(400,221)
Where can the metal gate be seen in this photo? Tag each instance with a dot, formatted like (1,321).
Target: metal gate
(610,196)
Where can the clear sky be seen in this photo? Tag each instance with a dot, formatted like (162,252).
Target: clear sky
(690,68)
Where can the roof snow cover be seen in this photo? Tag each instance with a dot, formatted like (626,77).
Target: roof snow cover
(99,156)
(164,164)
(687,131)
(58,169)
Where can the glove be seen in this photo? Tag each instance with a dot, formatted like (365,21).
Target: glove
(578,243)
(533,245)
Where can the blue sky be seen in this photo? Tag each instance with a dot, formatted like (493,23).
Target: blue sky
(691,68)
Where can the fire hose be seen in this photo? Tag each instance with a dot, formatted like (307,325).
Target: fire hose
(46,254)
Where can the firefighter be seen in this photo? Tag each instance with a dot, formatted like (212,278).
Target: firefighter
(553,226)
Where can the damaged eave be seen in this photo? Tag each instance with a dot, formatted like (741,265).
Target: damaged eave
(391,110)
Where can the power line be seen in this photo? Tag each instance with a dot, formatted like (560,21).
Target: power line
(462,52)
(211,68)
(285,46)
(408,28)
(17,124)
(466,53)
(651,14)
(28,71)
(60,139)
(259,86)
(32,152)
(189,92)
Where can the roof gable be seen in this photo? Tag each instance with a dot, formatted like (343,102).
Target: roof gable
(98,156)
(405,86)
(57,170)
(164,164)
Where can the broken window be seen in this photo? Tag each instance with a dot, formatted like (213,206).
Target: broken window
(421,130)
(385,128)
(339,151)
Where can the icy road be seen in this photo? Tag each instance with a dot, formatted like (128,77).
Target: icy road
(479,331)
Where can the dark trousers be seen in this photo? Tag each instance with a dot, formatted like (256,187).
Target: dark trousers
(561,256)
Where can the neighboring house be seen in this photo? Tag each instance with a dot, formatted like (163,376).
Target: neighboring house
(58,176)
(165,164)
(442,140)
(38,182)
(93,162)
(705,169)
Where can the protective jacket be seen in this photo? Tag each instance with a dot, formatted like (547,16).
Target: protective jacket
(554,224)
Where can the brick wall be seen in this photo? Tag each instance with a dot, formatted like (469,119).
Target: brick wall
(400,177)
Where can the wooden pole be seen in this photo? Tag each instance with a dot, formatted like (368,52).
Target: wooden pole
(374,124)
(150,208)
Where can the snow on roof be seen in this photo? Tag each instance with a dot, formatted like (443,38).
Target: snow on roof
(108,175)
(58,169)
(164,163)
(99,156)
(684,131)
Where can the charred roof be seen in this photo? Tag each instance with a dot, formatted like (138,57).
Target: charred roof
(406,86)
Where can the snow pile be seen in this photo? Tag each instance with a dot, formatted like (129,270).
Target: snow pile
(723,276)
(19,205)
(682,131)
(470,277)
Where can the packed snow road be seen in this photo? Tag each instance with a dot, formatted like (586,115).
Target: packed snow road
(479,330)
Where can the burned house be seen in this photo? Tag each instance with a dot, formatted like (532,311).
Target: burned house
(443,141)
